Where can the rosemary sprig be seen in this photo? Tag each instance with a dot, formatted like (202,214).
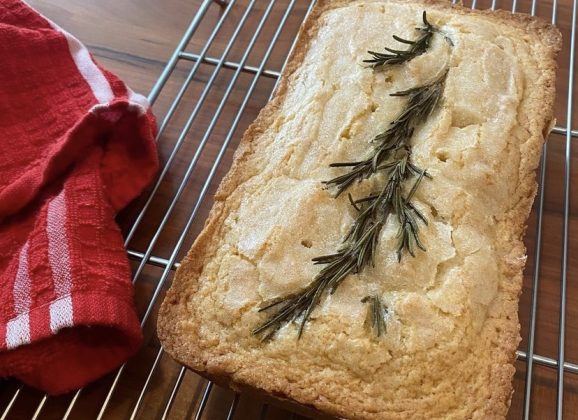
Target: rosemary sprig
(422,100)
(391,155)
(359,245)
(416,48)
(375,314)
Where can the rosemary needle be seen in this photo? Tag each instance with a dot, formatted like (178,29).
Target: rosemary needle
(375,314)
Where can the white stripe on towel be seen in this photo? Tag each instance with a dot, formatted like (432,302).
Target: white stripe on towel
(18,328)
(59,258)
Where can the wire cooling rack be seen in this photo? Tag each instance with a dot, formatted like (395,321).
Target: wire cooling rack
(221,73)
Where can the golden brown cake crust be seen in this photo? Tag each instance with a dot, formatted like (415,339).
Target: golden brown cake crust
(183,344)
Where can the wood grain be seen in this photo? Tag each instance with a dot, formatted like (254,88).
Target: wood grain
(134,39)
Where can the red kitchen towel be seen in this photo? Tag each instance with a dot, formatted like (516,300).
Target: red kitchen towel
(77,145)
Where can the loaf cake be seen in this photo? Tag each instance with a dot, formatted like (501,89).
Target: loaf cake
(448,327)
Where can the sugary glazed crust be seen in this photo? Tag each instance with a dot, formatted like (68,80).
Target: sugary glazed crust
(184,348)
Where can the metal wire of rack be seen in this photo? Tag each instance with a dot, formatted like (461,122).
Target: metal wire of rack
(271,29)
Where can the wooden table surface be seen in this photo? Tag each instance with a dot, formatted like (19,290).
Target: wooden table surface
(134,39)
